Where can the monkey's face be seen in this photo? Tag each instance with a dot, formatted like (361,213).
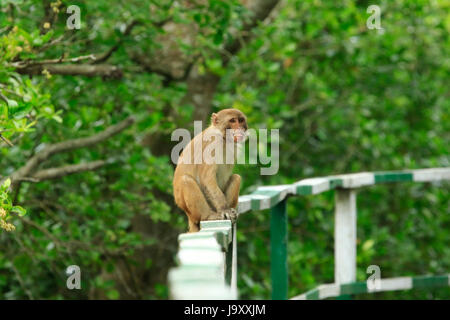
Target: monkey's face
(232,123)
(236,129)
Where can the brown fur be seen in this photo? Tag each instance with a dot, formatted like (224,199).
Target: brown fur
(209,191)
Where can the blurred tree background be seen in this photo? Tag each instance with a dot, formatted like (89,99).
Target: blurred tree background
(86,116)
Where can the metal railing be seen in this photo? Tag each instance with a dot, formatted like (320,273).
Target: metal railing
(207,259)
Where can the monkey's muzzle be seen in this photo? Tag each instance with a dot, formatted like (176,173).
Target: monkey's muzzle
(237,135)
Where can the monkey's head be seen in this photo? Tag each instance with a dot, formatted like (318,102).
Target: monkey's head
(232,123)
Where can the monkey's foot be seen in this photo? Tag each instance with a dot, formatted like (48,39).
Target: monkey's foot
(230,214)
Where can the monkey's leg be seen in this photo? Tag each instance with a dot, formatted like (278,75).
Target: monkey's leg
(193,227)
(232,196)
(232,190)
(197,206)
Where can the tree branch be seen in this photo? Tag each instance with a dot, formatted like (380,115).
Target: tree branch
(3,98)
(152,67)
(88,70)
(260,10)
(53,173)
(105,56)
(9,143)
(41,156)
(54,66)
(28,63)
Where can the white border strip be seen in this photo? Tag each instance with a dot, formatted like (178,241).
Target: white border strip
(432,174)
(392,284)
(317,185)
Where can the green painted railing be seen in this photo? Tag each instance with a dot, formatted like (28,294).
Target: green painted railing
(207,259)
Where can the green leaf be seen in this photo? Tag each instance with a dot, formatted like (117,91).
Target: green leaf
(198,18)
(3,111)
(19,210)
(218,37)
(367,245)
(57,118)
(12,103)
(113,294)
(6,184)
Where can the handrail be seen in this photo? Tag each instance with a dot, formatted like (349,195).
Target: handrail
(207,259)
(387,284)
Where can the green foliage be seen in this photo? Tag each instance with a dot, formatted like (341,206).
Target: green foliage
(22,101)
(7,208)
(345,98)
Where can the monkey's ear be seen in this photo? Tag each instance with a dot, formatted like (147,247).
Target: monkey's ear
(214,119)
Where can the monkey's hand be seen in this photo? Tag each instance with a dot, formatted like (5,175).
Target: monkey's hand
(230,214)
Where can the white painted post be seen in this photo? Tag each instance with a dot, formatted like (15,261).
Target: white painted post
(345,236)
(234,262)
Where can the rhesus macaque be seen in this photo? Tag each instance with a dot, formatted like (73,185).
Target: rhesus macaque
(204,185)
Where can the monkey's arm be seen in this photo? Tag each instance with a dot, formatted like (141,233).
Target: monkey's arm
(208,181)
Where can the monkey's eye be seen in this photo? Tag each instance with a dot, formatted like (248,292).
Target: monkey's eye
(241,120)
(233,120)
